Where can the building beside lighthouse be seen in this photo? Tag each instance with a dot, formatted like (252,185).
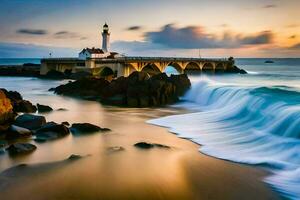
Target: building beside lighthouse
(104,52)
(89,59)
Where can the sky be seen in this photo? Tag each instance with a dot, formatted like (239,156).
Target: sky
(193,28)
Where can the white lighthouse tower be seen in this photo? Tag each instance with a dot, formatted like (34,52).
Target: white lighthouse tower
(105,38)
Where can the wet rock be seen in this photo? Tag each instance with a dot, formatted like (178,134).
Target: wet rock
(80,75)
(145,145)
(74,157)
(15,132)
(3,143)
(62,109)
(51,131)
(18,103)
(53,74)
(81,128)
(21,148)
(6,108)
(43,108)
(66,123)
(24,106)
(137,90)
(31,122)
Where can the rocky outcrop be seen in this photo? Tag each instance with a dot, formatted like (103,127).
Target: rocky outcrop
(137,90)
(26,70)
(6,108)
(15,132)
(18,103)
(43,108)
(21,148)
(31,122)
(145,145)
(85,128)
(51,131)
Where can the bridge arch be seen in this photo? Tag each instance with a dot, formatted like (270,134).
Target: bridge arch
(151,69)
(220,68)
(208,68)
(129,68)
(192,67)
(173,68)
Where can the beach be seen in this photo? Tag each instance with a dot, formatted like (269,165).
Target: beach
(178,172)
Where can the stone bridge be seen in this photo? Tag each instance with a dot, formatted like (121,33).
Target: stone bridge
(124,66)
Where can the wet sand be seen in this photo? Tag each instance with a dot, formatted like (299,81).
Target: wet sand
(180,172)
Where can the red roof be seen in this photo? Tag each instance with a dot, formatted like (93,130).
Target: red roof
(93,51)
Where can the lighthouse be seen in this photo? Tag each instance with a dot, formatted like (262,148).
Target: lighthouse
(105,38)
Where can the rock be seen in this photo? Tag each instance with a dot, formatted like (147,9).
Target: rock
(6,108)
(21,148)
(51,131)
(74,157)
(66,123)
(43,108)
(86,128)
(80,75)
(31,122)
(145,145)
(62,109)
(53,74)
(3,143)
(18,103)
(24,107)
(16,132)
(137,90)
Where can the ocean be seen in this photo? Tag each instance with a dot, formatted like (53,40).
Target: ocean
(252,119)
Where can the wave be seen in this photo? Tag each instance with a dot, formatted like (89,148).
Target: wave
(253,125)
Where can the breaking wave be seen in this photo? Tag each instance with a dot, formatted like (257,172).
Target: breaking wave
(253,125)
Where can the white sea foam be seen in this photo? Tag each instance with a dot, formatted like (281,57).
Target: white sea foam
(253,125)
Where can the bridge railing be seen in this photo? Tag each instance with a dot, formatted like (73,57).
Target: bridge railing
(136,58)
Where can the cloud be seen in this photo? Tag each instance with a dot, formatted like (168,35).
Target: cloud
(134,28)
(195,37)
(32,31)
(67,34)
(269,6)
(20,50)
(295,47)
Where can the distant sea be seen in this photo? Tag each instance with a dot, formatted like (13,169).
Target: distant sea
(19,61)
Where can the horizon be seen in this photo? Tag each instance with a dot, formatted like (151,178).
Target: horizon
(218,29)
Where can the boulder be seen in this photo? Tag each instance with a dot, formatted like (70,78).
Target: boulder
(66,123)
(6,108)
(21,148)
(53,74)
(80,75)
(31,122)
(18,103)
(24,107)
(137,90)
(43,108)
(145,145)
(15,132)
(51,131)
(79,128)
